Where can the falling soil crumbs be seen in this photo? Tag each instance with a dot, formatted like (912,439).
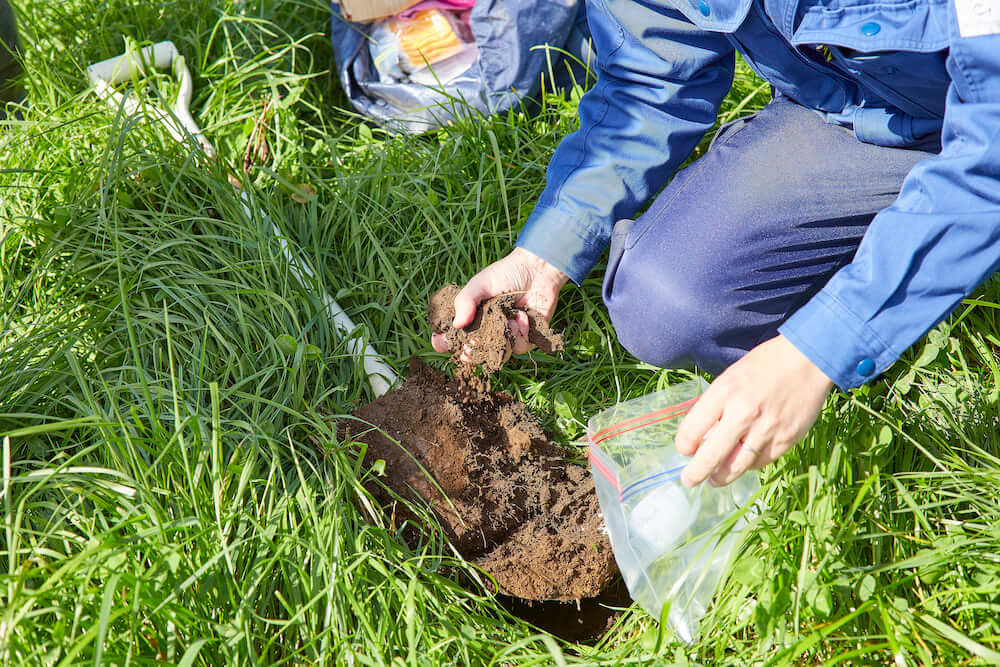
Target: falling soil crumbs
(504,495)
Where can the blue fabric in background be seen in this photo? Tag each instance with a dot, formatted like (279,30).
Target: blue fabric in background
(513,60)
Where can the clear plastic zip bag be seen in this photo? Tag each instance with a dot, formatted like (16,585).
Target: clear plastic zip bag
(672,544)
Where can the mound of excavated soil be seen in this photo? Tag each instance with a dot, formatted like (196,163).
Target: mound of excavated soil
(503,493)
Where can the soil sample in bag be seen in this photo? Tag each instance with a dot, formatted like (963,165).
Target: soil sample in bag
(503,493)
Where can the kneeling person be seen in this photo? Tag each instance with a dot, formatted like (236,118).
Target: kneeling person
(813,243)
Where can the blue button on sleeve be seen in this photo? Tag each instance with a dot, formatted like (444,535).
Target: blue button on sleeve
(835,339)
(931,248)
(660,83)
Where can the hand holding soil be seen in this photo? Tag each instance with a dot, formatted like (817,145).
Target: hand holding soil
(488,340)
(534,285)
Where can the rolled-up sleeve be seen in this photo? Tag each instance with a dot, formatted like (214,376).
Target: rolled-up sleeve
(660,83)
(933,246)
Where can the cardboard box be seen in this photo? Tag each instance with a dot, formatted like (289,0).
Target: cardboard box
(363,11)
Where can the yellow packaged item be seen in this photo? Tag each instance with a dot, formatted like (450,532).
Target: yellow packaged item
(402,47)
(427,38)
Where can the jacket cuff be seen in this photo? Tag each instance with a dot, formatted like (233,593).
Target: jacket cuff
(548,234)
(840,343)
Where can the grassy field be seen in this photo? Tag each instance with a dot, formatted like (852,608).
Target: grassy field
(172,485)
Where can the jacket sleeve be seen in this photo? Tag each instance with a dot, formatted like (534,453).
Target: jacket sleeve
(660,82)
(938,240)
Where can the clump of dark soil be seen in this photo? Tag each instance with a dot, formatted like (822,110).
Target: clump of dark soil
(488,337)
(504,495)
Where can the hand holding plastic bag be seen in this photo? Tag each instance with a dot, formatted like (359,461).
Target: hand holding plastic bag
(672,543)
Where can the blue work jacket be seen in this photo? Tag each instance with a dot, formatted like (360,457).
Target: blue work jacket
(897,71)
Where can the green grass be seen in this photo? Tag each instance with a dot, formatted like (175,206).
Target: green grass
(173,488)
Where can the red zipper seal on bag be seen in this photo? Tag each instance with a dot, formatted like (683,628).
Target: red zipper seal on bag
(643,421)
(631,425)
(603,469)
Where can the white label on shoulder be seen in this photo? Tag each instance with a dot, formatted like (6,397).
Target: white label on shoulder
(978,17)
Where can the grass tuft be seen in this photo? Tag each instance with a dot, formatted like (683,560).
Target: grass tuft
(173,486)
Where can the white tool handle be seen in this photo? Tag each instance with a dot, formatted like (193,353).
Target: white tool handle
(380,374)
(128,65)
(163,55)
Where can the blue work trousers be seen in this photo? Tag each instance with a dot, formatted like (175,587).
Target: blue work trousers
(745,235)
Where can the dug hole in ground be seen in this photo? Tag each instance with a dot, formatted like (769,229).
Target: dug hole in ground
(504,494)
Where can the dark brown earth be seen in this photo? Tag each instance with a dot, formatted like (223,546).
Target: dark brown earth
(581,620)
(504,495)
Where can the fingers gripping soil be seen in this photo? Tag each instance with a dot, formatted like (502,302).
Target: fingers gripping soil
(487,340)
(534,280)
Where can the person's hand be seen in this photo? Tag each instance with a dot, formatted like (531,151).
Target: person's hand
(523,272)
(754,412)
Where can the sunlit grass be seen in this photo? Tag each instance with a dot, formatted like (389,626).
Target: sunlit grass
(173,488)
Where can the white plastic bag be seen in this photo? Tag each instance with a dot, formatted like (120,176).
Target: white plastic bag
(672,544)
